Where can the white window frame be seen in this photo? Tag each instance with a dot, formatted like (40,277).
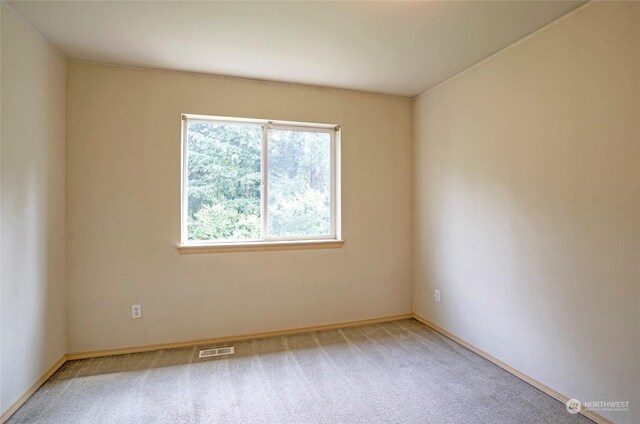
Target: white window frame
(335,167)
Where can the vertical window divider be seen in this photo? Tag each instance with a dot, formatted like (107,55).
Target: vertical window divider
(264,168)
(333,171)
(336,174)
(184,199)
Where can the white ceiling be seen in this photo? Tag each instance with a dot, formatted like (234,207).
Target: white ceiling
(400,48)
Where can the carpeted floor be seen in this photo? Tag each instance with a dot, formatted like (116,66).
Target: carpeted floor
(396,372)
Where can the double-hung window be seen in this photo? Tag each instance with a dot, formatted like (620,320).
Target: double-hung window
(250,181)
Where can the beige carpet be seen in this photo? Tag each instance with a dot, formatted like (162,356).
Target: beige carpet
(397,372)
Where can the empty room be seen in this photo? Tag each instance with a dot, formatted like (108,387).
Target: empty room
(320,212)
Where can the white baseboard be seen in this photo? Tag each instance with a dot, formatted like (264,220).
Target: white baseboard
(524,377)
(18,403)
(148,348)
(123,351)
(93,354)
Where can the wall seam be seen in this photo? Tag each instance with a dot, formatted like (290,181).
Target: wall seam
(231,77)
(32,28)
(501,51)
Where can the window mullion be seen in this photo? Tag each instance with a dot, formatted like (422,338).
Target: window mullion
(332,176)
(265,183)
(185,183)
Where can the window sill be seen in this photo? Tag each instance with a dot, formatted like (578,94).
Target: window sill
(259,246)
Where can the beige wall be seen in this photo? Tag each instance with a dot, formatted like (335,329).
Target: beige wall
(527,205)
(33,327)
(123,213)
(526,209)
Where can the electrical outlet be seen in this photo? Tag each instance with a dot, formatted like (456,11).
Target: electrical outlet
(437,296)
(136,311)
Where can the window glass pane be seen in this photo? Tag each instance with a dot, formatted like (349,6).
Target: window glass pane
(299,193)
(223,181)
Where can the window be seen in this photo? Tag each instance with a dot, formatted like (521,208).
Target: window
(247,181)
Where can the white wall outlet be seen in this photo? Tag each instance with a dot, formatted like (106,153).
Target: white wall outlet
(136,311)
(437,296)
